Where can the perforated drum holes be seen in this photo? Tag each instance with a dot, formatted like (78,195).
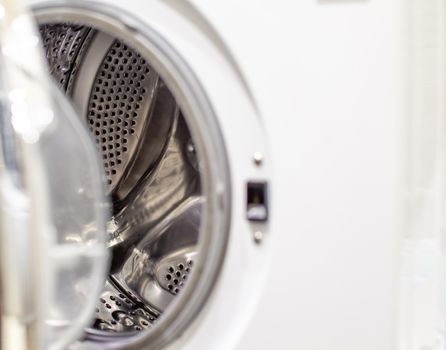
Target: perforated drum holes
(176,275)
(62,45)
(115,109)
(116,312)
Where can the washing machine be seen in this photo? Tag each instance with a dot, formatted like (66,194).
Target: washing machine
(185,161)
(273,172)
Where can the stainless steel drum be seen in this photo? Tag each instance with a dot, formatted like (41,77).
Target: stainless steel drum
(153,172)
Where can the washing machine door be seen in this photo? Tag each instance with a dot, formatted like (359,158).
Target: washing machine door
(52,209)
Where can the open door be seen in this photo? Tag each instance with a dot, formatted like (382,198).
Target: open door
(52,205)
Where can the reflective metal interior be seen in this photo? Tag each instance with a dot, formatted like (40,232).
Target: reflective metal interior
(150,166)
